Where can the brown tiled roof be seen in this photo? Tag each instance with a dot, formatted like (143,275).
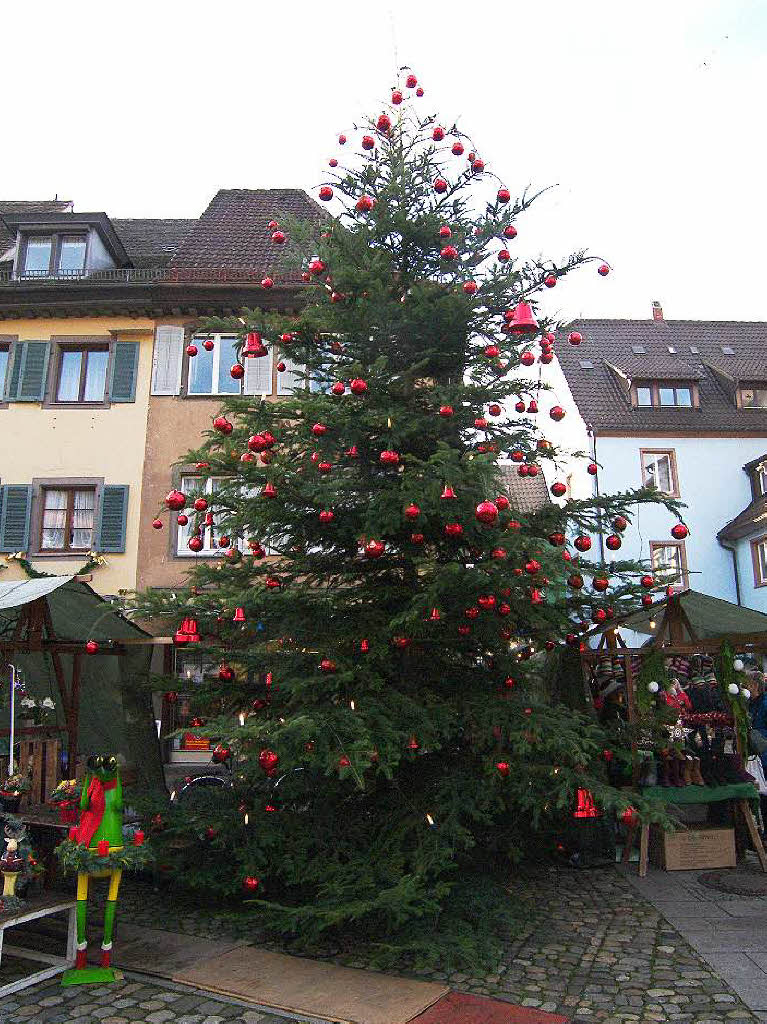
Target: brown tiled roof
(12,206)
(232,232)
(602,396)
(153,242)
(752,518)
(525,493)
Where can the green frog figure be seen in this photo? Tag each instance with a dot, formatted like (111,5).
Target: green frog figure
(100,830)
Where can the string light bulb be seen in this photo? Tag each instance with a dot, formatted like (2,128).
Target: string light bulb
(652,623)
(429,819)
(242,718)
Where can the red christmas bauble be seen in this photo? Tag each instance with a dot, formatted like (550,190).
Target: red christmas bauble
(647,600)
(503,195)
(453,530)
(278,237)
(237,371)
(324,467)
(502,502)
(470,287)
(486,601)
(280,367)
(220,754)
(411,81)
(457,149)
(477,166)
(195,544)
(504,256)
(575,337)
(182,520)
(604,270)
(267,282)
(532,567)
(498,553)
(557,539)
(344,762)
(600,583)
(523,470)
(208,345)
(92,647)
(599,615)
(338,388)
(222,425)
(592,469)
(417,538)
(396,97)
(679,531)
(374,548)
(326,665)
(364,204)
(558,489)
(341,140)
(582,543)
(620,523)
(445,232)
(480,423)
(332,162)
(250,883)
(438,134)
(412,512)
(389,458)
(550,280)
(464,630)
(200,504)
(191,351)
(326,192)
(175,500)
(491,351)
(319,429)
(510,231)
(317,266)
(647,581)
(368,142)
(440,186)
(575,581)
(472,612)
(557,413)
(486,512)
(503,768)
(383,124)
(527,359)
(358,386)
(157,524)
(449,253)
(326,516)
(613,542)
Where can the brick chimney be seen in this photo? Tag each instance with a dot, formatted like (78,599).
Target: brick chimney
(657,311)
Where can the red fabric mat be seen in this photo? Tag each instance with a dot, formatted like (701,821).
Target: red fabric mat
(457,1008)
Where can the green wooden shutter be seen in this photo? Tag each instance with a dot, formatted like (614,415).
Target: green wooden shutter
(113,518)
(30,368)
(15,506)
(122,385)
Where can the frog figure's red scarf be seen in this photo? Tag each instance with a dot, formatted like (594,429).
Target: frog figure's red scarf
(91,818)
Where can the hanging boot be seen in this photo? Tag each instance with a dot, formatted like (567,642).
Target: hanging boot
(697,777)
(676,770)
(686,769)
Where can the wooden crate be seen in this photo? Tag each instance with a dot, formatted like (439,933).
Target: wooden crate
(693,849)
(43,754)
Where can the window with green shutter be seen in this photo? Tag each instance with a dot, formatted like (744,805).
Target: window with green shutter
(26,382)
(113,519)
(122,386)
(15,507)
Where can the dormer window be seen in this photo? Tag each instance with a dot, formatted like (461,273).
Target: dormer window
(665,394)
(753,397)
(52,255)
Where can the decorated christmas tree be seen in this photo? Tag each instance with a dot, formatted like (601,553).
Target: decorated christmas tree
(381,606)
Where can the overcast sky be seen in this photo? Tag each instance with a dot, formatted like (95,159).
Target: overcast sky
(649,117)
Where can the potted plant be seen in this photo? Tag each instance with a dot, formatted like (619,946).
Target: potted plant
(35,712)
(66,797)
(12,789)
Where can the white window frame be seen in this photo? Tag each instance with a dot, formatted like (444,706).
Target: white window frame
(662,567)
(209,534)
(649,457)
(216,355)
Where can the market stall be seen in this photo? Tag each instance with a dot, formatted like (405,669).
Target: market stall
(679,703)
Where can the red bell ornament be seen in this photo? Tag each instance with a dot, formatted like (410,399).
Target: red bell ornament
(447,492)
(268,491)
(412,512)
(239,615)
(523,321)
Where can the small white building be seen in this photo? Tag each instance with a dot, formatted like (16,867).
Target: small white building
(681,405)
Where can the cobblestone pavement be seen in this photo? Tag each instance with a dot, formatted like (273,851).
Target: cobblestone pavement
(135,1000)
(596,950)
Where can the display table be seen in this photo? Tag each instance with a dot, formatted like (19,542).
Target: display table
(32,909)
(739,792)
